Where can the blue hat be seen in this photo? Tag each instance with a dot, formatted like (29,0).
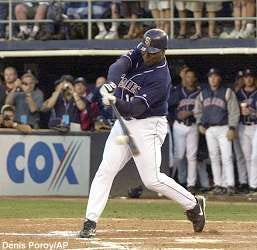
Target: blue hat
(154,41)
(213,71)
(249,72)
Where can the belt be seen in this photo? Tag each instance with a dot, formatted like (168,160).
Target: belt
(249,123)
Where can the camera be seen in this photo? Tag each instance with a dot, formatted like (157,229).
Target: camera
(66,86)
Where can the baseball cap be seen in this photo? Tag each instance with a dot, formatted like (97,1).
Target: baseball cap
(239,74)
(67,78)
(80,80)
(213,71)
(248,72)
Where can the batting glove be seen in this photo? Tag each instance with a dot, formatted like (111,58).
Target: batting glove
(108,99)
(108,88)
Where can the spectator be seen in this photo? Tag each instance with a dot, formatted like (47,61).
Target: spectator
(11,80)
(132,10)
(181,7)
(104,119)
(65,104)
(217,115)
(26,10)
(56,30)
(7,120)
(88,115)
(161,9)
(211,8)
(113,32)
(28,102)
(249,30)
(3,16)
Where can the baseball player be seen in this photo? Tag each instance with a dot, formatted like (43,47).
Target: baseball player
(185,132)
(217,114)
(248,123)
(138,84)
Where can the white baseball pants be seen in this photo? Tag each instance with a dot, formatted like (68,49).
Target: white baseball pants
(220,151)
(186,142)
(253,179)
(149,135)
(246,135)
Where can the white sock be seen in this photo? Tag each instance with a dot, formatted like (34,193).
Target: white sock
(114,27)
(36,28)
(101,26)
(249,26)
(24,29)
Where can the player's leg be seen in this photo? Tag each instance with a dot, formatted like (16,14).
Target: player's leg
(213,148)
(114,158)
(246,145)
(148,165)
(240,163)
(191,153)
(253,170)
(226,158)
(179,137)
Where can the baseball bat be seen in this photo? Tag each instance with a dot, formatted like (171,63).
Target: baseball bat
(133,147)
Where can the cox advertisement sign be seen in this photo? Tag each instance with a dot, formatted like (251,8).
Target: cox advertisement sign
(44,165)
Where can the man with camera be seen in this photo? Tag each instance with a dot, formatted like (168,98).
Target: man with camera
(65,104)
(7,120)
(28,102)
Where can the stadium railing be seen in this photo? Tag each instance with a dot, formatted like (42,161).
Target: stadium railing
(91,20)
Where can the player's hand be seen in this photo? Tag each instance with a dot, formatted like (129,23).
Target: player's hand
(108,88)
(202,129)
(108,99)
(231,134)
(182,115)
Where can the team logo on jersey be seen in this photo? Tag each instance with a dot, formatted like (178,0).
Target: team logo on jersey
(148,41)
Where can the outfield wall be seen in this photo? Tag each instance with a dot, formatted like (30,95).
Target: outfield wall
(47,163)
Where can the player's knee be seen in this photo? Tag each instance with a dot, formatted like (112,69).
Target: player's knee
(151,184)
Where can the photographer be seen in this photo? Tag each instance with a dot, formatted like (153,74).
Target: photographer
(65,104)
(28,102)
(7,120)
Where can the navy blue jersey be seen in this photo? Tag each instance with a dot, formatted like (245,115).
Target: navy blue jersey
(185,101)
(149,83)
(214,107)
(250,98)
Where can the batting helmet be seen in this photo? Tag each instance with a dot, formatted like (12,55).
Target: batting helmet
(154,41)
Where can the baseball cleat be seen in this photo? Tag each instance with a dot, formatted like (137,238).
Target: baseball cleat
(197,214)
(88,229)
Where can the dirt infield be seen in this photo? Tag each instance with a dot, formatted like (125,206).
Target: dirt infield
(126,234)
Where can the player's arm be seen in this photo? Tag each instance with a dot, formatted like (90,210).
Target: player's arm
(123,65)
(233,110)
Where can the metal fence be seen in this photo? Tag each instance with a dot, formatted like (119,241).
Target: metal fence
(90,20)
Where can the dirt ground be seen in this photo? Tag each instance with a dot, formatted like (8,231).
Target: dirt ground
(126,234)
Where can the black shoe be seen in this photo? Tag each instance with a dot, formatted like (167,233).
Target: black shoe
(192,190)
(197,214)
(230,190)
(88,229)
(218,190)
(243,189)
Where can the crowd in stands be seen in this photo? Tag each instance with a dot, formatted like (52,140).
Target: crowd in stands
(58,12)
(73,105)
